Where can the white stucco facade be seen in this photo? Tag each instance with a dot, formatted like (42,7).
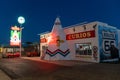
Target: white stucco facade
(88,41)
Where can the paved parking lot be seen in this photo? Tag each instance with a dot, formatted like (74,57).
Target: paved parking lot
(19,68)
(34,69)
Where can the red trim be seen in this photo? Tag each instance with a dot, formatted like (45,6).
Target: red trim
(81,35)
(58,50)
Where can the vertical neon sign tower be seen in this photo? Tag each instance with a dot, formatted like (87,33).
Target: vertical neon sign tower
(15,36)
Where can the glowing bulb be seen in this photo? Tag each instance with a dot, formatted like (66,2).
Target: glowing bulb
(49,39)
(21,20)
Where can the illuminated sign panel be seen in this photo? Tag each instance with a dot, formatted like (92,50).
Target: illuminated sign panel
(81,35)
(43,40)
(15,36)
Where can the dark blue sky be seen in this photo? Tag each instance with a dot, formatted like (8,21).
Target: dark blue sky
(40,15)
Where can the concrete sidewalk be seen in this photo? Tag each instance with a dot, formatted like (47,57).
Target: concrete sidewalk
(59,62)
(3,76)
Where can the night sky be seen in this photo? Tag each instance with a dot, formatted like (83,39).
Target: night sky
(41,14)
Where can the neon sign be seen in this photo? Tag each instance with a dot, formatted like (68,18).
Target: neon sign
(15,36)
(81,35)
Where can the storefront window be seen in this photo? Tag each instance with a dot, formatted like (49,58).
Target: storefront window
(83,49)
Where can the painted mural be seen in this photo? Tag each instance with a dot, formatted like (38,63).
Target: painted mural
(108,37)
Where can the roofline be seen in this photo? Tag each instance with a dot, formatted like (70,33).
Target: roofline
(44,33)
(84,23)
(76,25)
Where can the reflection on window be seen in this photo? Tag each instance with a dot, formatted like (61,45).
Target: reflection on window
(83,49)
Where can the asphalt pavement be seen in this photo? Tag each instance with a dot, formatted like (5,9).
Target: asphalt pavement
(32,68)
(3,76)
(17,68)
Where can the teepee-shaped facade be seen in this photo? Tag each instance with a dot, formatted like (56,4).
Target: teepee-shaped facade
(57,44)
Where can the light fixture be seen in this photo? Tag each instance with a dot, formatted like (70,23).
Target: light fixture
(74,29)
(94,26)
(84,26)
